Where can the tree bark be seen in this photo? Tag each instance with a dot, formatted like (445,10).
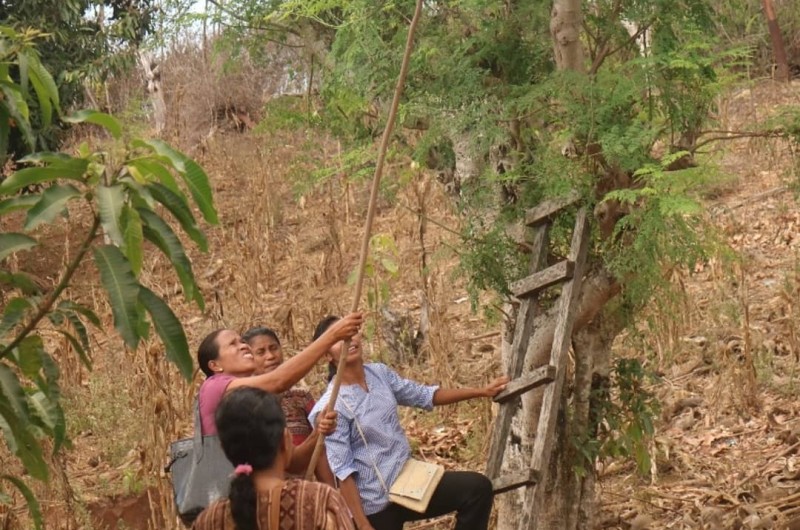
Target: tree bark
(778,50)
(598,288)
(566,20)
(571,495)
(152,75)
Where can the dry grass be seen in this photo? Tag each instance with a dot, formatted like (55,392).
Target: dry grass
(282,260)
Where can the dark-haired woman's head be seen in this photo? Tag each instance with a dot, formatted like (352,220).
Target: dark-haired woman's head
(252,431)
(251,425)
(266,348)
(224,351)
(354,353)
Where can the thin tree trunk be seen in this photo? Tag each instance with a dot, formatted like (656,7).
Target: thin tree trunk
(782,65)
(152,74)
(566,20)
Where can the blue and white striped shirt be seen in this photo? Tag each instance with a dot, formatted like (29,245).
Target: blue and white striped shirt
(376,411)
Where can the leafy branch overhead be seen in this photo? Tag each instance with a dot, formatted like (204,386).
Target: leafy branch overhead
(122,195)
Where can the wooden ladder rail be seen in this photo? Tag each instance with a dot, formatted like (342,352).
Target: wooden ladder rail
(552,374)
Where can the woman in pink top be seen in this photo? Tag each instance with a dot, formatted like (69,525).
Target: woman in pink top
(228,363)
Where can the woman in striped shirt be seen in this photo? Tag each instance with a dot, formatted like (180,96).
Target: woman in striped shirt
(369,447)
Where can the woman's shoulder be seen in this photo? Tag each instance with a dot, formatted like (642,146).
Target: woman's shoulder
(297,393)
(217,516)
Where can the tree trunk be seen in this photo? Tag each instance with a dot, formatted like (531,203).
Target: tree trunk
(781,64)
(152,75)
(565,26)
(598,288)
(571,495)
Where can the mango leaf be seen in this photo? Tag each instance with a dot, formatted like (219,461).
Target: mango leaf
(5,131)
(13,242)
(132,236)
(21,441)
(102,119)
(14,395)
(163,149)
(45,411)
(49,385)
(53,201)
(83,355)
(82,309)
(160,234)
(46,157)
(30,499)
(13,313)
(22,66)
(170,330)
(19,280)
(152,167)
(72,169)
(123,291)
(193,175)
(29,355)
(110,200)
(197,181)
(16,107)
(79,328)
(21,202)
(180,209)
(45,88)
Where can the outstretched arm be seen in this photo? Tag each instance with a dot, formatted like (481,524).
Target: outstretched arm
(447,396)
(290,372)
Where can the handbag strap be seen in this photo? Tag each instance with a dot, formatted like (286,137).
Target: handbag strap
(275,507)
(198,431)
(366,445)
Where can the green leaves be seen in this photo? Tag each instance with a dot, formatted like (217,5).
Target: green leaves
(13,242)
(30,499)
(193,175)
(123,194)
(110,200)
(70,168)
(123,291)
(169,329)
(53,202)
(106,121)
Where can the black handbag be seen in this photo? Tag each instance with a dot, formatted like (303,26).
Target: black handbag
(199,470)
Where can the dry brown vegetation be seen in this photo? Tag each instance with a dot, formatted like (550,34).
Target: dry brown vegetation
(282,254)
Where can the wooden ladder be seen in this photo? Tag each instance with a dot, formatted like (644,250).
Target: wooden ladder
(569,273)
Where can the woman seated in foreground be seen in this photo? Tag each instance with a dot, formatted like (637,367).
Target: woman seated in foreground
(252,431)
(369,448)
(296,403)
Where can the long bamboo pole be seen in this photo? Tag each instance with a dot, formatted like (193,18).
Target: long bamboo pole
(373,200)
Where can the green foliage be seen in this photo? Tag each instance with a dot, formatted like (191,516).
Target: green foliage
(381,266)
(663,229)
(82,43)
(625,422)
(119,189)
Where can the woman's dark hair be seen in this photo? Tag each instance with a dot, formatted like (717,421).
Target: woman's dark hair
(208,351)
(259,331)
(321,328)
(250,423)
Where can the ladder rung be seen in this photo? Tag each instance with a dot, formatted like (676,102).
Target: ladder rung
(515,480)
(542,375)
(546,210)
(543,279)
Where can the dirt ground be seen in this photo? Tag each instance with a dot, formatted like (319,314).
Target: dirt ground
(727,454)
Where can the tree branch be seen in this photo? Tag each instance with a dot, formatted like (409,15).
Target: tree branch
(45,306)
(272,25)
(733,135)
(605,52)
